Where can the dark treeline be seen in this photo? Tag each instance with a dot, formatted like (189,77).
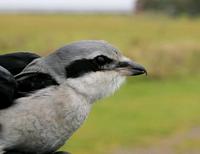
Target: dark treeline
(172,7)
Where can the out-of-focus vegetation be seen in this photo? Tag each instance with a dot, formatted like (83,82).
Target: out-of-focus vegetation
(171,7)
(144,110)
(168,47)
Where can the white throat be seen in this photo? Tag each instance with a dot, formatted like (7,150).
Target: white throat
(96,85)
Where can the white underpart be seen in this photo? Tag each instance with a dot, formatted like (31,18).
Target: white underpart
(42,122)
(97,85)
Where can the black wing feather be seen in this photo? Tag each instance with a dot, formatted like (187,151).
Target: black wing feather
(12,88)
(10,65)
(30,82)
(7,88)
(16,62)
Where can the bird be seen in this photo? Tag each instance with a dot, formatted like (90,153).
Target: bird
(57,93)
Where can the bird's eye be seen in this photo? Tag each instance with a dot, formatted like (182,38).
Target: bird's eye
(101,60)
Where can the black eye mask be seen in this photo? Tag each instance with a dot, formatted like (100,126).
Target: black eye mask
(82,66)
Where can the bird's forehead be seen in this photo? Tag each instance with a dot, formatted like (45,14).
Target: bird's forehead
(88,50)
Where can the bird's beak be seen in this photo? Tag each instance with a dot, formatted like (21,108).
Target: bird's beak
(130,68)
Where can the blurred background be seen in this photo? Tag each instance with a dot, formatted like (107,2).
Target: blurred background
(157,114)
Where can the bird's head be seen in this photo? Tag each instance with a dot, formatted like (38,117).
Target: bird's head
(92,68)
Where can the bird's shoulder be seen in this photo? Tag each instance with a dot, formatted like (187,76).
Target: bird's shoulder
(30,82)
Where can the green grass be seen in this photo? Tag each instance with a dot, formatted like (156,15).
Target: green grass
(144,110)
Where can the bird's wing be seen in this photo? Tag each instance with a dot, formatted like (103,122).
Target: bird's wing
(16,62)
(32,81)
(10,65)
(7,88)
(23,83)
(14,85)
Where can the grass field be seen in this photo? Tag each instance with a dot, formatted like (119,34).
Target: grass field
(147,111)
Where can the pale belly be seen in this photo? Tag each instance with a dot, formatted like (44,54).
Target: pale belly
(42,132)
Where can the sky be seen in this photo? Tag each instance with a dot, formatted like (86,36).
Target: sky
(69,5)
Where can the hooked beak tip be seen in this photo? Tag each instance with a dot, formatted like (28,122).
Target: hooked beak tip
(138,71)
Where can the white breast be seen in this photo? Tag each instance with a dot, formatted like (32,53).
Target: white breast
(43,121)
